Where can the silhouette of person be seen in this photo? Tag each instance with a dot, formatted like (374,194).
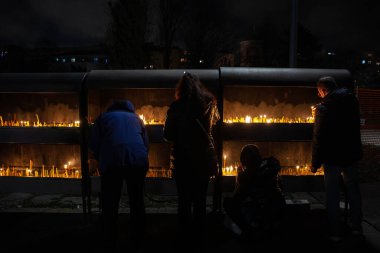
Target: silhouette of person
(257,202)
(120,144)
(188,126)
(337,148)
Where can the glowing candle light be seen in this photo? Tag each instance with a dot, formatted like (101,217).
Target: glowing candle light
(30,165)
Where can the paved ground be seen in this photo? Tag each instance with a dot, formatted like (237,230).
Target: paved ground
(54,223)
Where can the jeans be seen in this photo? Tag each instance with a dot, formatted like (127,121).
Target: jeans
(192,195)
(333,180)
(112,183)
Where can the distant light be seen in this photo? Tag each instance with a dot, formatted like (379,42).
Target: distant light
(96,59)
(331,53)
(63,60)
(106,60)
(151,66)
(72,59)
(57,59)
(201,61)
(363,61)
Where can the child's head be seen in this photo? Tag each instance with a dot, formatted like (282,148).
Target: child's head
(250,156)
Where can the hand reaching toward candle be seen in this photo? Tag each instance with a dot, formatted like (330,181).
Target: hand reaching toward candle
(314,169)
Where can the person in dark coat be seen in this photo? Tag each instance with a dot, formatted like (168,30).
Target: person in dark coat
(258,202)
(188,127)
(120,145)
(337,148)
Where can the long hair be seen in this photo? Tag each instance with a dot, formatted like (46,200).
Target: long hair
(191,90)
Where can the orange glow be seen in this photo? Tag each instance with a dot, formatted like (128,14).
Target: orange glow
(248,119)
(159,172)
(232,170)
(299,171)
(37,123)
(49,171)
(151,121)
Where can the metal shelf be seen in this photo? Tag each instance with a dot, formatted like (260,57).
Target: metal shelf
(40,135)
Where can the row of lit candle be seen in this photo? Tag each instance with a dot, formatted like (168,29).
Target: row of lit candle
(233,170)
(247,119)
(151,121)
(67,172)
(26,172)
(264,119)
(165,173)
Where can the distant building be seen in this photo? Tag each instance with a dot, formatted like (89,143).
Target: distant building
(67,59)
(178,58)
(79,59)
(225,60)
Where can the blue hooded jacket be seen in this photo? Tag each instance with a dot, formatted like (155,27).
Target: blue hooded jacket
(118,139)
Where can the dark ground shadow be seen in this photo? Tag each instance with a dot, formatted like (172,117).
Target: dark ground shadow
(48,232)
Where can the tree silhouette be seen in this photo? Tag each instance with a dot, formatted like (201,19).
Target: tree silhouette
(126,33)
(208,32)
(171,20)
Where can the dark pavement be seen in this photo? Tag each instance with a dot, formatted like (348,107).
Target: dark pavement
(54,223)
(301,230)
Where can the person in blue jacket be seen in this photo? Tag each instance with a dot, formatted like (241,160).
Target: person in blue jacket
(119,143)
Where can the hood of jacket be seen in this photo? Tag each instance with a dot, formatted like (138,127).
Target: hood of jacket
(121,105)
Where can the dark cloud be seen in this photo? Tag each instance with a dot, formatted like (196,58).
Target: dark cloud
(254,12)
(343,24)
(346,24)
(60,22)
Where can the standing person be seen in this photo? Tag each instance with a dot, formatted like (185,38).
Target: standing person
(188,126)
(337,148)
(258,202)
(120,144)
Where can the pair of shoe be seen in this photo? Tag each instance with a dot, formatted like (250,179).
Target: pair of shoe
(357,230)
(247,236)
(335,238)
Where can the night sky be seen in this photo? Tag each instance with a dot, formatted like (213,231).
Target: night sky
(338,24)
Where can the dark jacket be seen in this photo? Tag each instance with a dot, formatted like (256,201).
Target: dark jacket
(190,142)
(261,188)
(336,136)
(118,138)
(262,183)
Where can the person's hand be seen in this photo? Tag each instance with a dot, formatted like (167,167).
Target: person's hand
(314,169)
